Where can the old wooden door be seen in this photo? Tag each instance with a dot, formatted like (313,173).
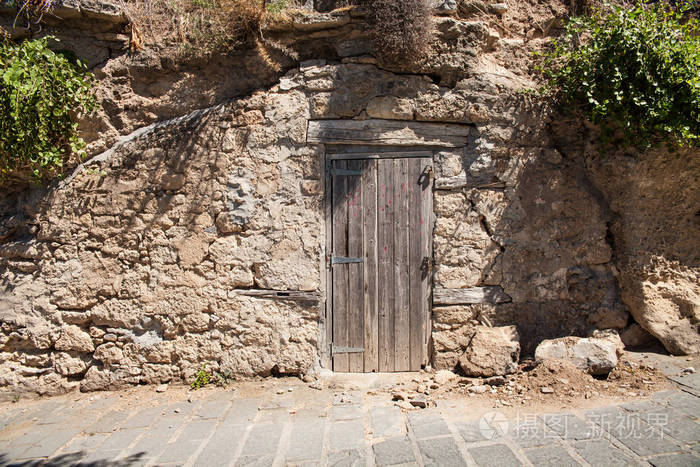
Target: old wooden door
(381,250)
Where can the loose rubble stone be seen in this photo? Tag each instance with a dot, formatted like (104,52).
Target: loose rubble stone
(596,355)
(491,352)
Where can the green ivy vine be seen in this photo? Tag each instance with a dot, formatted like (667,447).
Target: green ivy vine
(42,94)
(634,68)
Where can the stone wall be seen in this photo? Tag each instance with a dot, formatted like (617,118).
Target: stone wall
(138,267)
(198,241)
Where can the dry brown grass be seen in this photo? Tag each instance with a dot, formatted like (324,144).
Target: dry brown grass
(401,30)
(198,27)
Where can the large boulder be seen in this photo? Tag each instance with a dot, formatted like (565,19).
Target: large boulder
(597,354)
(491,352)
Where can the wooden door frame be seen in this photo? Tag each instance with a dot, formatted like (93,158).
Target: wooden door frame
(355,152)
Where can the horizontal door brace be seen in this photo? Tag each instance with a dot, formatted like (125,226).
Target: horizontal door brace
(344,260)
(344,172)
(336,349)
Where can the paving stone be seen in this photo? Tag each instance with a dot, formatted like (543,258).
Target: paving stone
(472,432)
(346,435)
(347,412)
(675,460)
(674,423)
(108,422)
(602,452)
(349,458)
(222,446)
(122,439)
(428,425)
(50,444)
(531,433)
(100,458)
(440,451)
(641,438)
(242,411)
(662,396)
(197,429)
(32,434)
(497,455)
(262,439)
(313,412)
(555,456)
(180,451)
(153,442)
(144,418)
(393,451)
(255,461)
(306,440)
(213,409)
(85,443)
(569,426)
(688,403)
(387,421)
(281,415)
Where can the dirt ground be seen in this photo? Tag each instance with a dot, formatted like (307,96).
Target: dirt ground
(546,387)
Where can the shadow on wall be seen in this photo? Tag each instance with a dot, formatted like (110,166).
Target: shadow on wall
(533,225)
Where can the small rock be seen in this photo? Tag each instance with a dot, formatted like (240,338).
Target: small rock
(420,388)
(546,390)
(479,389)
(491,352)
(419,401)
(563,380)
(397,396)
(176,410)
(687,371)
(280,391)
(434,386)
(495,381)
(162,388)
(444,376)
(290,389)
(318,385)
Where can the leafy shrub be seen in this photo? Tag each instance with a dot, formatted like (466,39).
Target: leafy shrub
(41,94)
(634,68)
(201,379)
(400,30)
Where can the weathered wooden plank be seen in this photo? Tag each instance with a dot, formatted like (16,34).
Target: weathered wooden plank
(380,155)
(415,260)
(385,246)
(326,337)
(369,211)
(355,270)
(293,295)
(387,132)
(492,294)
(340,272)
(401,299)
(460,181)
(427,224)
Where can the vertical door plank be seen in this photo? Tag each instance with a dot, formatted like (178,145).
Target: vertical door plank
(369,204)
(385,264)
(355,270)
(340,275)
(415,253)
(401,298)
(427,225)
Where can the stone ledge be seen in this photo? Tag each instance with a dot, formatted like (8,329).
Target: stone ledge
(474,295)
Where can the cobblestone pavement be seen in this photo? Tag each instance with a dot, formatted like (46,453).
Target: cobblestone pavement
(304,426)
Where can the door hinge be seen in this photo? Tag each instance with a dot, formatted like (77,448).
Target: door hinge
(345,260)
(344,172)
(336,349)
